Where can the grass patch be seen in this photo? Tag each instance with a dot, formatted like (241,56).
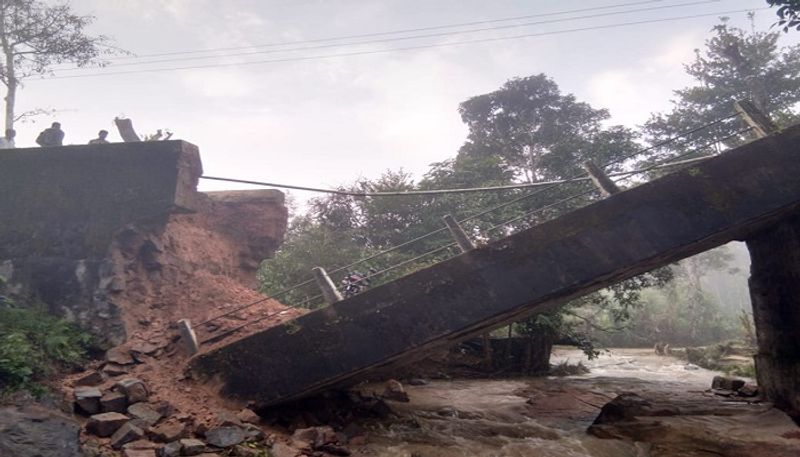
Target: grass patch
(35,345)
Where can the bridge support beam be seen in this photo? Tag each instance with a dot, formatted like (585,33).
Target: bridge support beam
(775,294)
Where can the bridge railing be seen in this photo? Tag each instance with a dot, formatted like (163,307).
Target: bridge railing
(456,236)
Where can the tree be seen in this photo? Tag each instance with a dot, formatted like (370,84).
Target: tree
(538,132)
(34,37)
(788,13)
(735,65)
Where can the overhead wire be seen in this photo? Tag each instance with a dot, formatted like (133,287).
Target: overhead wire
(384,33)
(408,48)
(406,38)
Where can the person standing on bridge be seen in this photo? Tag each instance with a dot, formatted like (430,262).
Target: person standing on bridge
(101,138)
(7,142)
(52,136)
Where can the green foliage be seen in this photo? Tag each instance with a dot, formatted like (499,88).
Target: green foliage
(736,64)
(788,13)
(34,345)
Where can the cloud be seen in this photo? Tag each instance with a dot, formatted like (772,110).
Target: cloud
(652,79)
(218,83)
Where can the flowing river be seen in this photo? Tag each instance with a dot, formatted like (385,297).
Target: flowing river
(542,417)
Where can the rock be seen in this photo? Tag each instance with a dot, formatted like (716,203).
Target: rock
(748,390)
(191,446)
(87,399)
(144,347)
(395,391)
(334,449)
(92,379)
(125,434)
(168,432)
(224,417)
(36,431)
(726,383)
(139,453)
(225,436)
(134,389)
(248,416)
(417,382)
(172,449)
(315,436)
(105,424)
(113,402)
(144,413)
(283,450)
(165,408)
(689,424)
(355,435)
(357,440)
(120,356)
(142,444)
(244,451)
(114,370)
(305,435)
(253,432)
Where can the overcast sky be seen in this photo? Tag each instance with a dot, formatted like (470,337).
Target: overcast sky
(327,121)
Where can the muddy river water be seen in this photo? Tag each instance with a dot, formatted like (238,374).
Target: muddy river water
(543,417)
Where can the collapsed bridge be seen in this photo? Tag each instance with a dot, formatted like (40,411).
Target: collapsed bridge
(748,193)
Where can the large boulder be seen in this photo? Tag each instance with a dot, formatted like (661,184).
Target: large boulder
(35,431)
(693,425)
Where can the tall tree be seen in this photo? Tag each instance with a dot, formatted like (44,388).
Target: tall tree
(35,36)
(735,64)
(538,132)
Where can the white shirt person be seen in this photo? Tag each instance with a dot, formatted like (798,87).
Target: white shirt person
(7,142)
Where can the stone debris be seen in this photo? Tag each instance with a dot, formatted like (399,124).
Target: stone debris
(244,451)
(120,356)
(726,383)
(144,413)
(91,379)
(114,402)
(248,416)
(139,453)
(283,450)
(192,446)
(87,399)
(125,434)
(172,449)
(748,390)
(105,424)
(225,436)
(168,432)
(394,391)
(134,389)
(113,370)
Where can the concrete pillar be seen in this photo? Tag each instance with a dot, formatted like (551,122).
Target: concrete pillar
(775,294)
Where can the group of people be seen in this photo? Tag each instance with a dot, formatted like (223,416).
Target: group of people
(51,136)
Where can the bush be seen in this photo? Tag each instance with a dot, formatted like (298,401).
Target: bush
(34,345)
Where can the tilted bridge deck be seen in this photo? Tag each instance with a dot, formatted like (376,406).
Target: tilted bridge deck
(679,215)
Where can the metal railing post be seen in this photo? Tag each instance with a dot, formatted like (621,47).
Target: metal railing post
(188,336)
(755,118)
(458,233)
(606,185)
(326,285)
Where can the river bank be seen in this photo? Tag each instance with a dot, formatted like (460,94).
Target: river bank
(549,416)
